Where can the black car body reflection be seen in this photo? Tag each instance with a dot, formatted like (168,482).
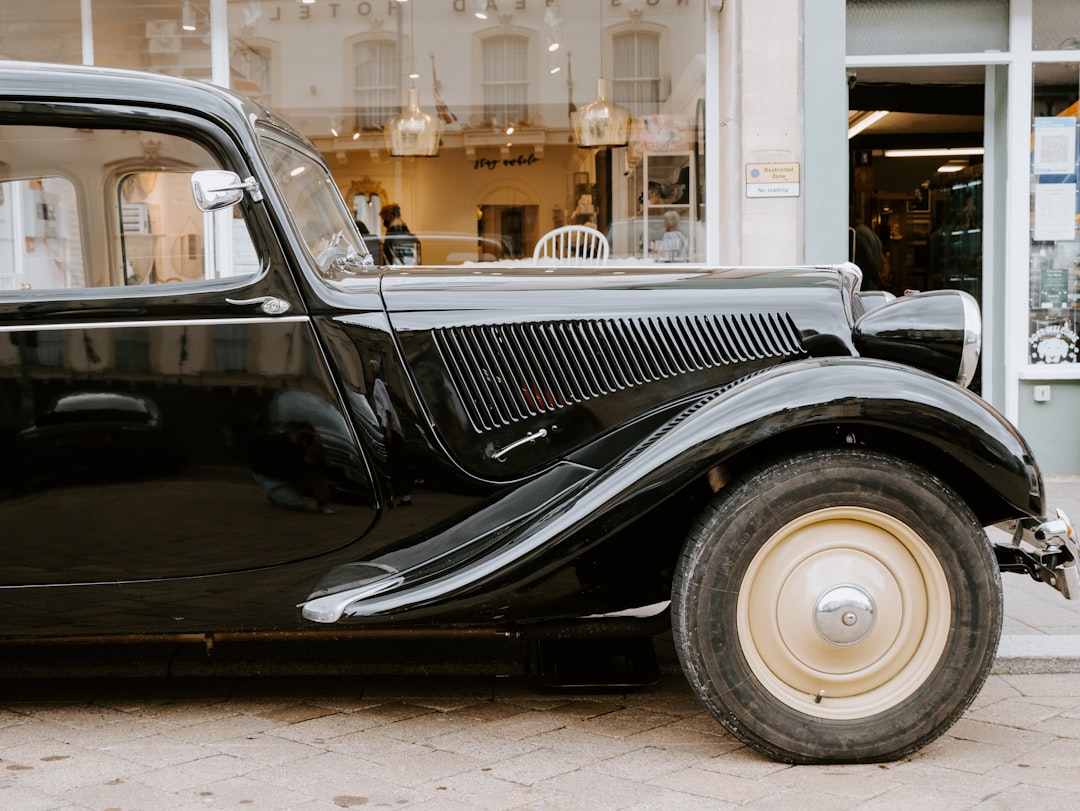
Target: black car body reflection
(95,434)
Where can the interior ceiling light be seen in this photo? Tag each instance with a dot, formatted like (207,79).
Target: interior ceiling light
(187,16)
(865,121)
(934,152)
(602,122)
(553,20)
(413,132)
(953,166)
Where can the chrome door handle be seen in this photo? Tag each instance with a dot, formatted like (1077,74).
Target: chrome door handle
(267,304)
(531,437)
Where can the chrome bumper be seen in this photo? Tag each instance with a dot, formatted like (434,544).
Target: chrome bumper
(1046,550)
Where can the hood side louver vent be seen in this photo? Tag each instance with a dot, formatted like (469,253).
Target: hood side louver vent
(505,373)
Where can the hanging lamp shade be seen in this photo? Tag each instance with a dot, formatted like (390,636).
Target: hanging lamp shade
(413,132)
(602,122)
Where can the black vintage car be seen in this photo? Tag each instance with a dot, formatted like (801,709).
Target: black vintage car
(793,476)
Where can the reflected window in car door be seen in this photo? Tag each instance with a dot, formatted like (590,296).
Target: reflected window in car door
(165,238)
(40,234)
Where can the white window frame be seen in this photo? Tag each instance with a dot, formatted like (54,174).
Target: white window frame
(505,78)
(633,88)
(378,101)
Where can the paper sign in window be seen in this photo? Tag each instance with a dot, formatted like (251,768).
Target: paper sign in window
(1055,146)
(1055,211)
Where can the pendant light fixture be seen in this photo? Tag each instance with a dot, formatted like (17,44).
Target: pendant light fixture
(413,132)
(602,122)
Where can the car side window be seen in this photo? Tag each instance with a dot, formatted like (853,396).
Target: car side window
(58,230)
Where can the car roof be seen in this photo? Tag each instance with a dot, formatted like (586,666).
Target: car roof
(25,78)
(53,82)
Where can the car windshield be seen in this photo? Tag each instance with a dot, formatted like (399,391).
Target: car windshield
(315,204)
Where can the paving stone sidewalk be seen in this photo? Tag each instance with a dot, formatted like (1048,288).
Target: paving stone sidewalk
(484,743)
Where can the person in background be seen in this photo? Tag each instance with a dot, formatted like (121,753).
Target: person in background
(400,247)
(674,246)
(870,258)
(371,241)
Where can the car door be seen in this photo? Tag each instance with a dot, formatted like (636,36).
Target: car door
(165,411)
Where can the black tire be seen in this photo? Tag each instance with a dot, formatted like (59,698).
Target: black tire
(843,571)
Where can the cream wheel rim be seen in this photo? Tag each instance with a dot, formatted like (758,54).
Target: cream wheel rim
(843,613)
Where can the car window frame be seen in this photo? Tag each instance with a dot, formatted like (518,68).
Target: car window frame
(266,130)
(212,136)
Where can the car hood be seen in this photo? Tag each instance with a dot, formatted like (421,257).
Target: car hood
(516,370)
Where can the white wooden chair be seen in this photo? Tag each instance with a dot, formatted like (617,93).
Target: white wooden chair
(579,243)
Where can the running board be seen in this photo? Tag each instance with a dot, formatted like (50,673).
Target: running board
(576,664)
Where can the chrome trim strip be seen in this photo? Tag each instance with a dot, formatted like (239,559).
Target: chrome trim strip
(640,612)
(329,608)
(184,322)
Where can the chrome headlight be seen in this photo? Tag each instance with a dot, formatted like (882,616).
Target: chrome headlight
(939,332)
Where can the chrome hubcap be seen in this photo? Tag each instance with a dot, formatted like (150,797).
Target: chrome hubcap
(844,615)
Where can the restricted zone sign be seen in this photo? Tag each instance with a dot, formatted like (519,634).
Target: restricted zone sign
(772,180)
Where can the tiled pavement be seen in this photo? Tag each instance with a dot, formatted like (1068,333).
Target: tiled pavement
(330,741)
(487,743)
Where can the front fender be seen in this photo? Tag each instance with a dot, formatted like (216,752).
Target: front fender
(881,394)
(831,391)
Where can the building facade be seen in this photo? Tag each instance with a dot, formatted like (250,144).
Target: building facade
(763,130)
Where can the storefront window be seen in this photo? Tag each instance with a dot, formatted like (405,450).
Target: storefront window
(171,38)
(27,34)
(1054,279)
(926,26)
(1055,25)
(504,91)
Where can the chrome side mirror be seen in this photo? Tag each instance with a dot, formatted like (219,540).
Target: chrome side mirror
(215,189)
